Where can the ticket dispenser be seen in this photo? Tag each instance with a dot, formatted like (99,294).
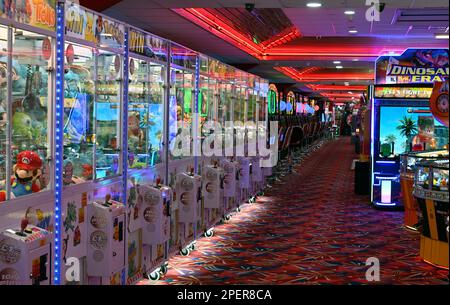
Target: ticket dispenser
(156,213)
(106,238)
(25,256)
(212,186)
(188,189)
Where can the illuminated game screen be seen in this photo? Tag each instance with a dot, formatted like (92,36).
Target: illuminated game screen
(409,129)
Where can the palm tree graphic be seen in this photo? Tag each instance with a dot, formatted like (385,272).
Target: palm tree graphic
(408,128)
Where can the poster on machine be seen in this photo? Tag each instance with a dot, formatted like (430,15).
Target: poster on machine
(88,26)
(148,45)
(413,66)
(37,13)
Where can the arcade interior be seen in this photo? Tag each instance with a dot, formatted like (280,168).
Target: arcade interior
(207,142)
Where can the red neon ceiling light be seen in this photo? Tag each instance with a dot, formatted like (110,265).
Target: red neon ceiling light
(321,87)
(318,75)
(216,26)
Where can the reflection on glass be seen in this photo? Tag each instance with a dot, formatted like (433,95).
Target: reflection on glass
(440,179)
(78,114)
(107,114)
(180,105)
(30,143)
(145,113)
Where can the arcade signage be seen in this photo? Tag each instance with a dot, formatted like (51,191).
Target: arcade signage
(419,74)
(402,92)
(413,66)
(147,45)
(37,13)
(88,26)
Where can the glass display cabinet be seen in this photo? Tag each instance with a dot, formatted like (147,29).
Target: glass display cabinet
(26,108)
(431,193)
(408,163)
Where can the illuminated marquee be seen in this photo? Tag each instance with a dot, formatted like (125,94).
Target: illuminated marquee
(420,74)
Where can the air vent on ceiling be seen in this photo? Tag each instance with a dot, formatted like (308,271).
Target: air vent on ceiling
(424,16)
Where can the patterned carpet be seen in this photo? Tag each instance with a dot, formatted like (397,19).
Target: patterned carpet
(308,229)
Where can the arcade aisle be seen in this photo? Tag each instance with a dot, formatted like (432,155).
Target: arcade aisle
(310,228)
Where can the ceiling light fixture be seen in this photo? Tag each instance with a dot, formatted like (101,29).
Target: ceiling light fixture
(339,67)
(353,31)
(441,36)
(336,62)
(314,4)
(355,59)
(347,83)
(349,12)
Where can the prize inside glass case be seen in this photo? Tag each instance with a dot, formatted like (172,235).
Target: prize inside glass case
(79,76)
(107,113)
(145,113)
(30,103)
(181,106)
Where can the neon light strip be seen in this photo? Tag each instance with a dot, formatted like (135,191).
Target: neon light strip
(59,138)
(372,142)
(385,162)
(125,118)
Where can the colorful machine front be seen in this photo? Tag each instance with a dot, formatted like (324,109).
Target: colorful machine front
(401,117)
(431,193)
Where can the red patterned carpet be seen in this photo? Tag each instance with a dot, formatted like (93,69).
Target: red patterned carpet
(309,229)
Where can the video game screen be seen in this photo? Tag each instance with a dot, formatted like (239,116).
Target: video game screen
(405,129)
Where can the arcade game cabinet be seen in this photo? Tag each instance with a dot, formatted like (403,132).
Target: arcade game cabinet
(401,117)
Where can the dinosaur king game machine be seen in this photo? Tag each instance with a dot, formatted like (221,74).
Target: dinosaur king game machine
(401,117)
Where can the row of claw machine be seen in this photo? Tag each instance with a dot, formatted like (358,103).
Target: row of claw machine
(103,133)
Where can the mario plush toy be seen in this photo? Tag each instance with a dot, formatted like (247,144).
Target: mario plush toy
(27,171)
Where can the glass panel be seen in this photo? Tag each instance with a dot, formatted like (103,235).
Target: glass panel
(31,85)
(78,114)
(156,115)
(224,102)
(107,114)
(440,179)
(138,114)
(181,102)
(3,104)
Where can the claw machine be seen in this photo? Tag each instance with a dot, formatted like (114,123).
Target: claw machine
(402,120)
(94,58)
(181,162)
(149,199)
(27,87)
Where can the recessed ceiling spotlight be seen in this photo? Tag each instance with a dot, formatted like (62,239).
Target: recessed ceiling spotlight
(349,12)
(339,67)
(355,59)
(314,4)
(336,62)
(353,31)
(349,92)
(441,36)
